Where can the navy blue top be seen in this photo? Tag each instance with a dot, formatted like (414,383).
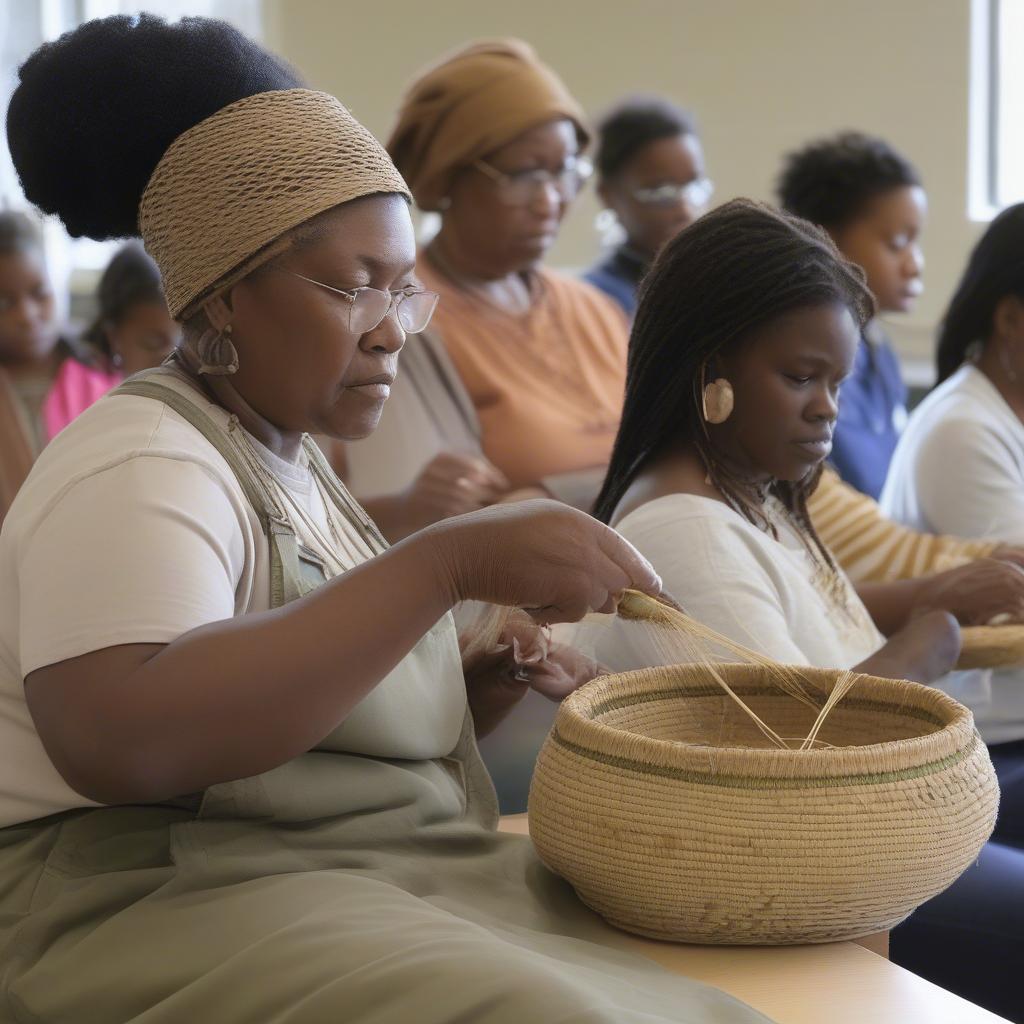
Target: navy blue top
(618,275)
(872,412)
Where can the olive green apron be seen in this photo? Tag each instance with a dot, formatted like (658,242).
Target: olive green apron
(334,888)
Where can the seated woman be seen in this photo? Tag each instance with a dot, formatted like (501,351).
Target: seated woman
(648,143)
(748,326)
(870,200)
(959,468)
(238,774)
(728,477)
(651,179)
(522,367)
(132,331)
(32,351)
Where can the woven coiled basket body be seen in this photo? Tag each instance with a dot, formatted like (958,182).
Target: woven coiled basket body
(656,797)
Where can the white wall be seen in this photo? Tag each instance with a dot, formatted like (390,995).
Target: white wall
(763,76)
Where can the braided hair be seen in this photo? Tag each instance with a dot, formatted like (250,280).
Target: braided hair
(726,276)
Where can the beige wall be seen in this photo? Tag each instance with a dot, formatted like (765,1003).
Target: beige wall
(761,75)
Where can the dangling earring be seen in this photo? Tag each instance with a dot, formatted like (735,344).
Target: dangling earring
(717,401)
(116,360)
(609,228)
(217,354)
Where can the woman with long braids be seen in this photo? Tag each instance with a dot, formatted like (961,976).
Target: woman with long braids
(747,326)
(745,331)
(238,774)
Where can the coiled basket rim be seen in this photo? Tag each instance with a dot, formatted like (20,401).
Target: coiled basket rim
(577,728)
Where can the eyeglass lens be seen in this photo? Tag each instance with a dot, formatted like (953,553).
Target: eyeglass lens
(371,305)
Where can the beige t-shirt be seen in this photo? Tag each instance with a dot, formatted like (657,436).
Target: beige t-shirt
(132,528)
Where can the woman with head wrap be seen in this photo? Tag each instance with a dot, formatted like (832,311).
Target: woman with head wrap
(239,777)
(521,366)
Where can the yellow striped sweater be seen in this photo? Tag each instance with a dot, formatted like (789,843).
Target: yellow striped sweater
(874,549)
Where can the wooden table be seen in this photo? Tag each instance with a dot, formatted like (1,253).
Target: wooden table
(836,982)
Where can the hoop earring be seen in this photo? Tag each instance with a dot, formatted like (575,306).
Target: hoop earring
(717,401)
(218,356)
(609,228)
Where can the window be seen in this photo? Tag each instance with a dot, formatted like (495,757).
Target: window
(996,150)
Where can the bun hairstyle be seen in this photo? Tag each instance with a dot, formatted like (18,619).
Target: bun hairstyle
(95,110)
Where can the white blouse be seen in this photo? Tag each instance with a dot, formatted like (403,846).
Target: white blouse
(959,469)
(768,594)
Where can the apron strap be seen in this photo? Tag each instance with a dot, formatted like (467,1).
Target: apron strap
(288,577)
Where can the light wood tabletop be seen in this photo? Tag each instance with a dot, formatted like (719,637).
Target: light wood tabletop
(836,982)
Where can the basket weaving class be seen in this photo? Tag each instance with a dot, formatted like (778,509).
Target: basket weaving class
(511,514)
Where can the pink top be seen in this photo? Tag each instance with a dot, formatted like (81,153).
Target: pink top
(74,389)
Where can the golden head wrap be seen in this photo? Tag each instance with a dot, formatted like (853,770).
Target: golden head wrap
(232,185)
(470,104)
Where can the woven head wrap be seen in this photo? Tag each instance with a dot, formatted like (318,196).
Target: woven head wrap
(226,190)
(470,104)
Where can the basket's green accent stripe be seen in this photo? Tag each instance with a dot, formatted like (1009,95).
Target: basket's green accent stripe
(710,690)
(712,778)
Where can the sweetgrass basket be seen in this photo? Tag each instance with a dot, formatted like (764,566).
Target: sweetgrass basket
(664,806)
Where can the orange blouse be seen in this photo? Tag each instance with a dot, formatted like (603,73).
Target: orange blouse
(547,385)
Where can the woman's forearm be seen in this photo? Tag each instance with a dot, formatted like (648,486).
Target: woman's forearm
(238,697)
(890,604)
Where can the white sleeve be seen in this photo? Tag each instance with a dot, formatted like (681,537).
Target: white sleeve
(139,553)
(968,483)
(716,573)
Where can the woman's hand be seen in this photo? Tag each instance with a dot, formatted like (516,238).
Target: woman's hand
(554,562)
(1009,553)
(524,659)
(451,484)
(923,651)
(977,592)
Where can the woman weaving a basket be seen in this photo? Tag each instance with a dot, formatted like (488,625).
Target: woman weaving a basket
(746,330)
(238,780)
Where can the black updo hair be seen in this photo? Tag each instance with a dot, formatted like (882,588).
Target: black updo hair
(130,279)
(829,181)
(994,271)
(634,123)
(95,110)
(723,278)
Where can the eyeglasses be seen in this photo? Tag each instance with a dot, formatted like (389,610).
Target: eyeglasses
(523,187)
(369,306)
(696,193)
